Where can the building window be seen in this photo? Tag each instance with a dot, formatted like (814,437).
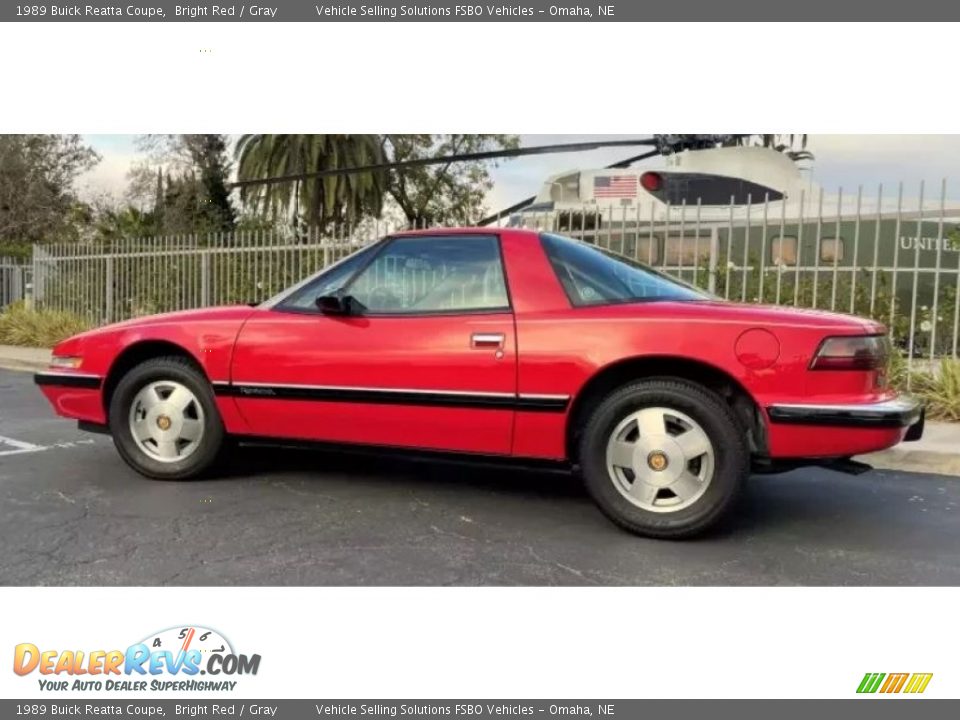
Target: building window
(783,250)
(687,250)
(831,250)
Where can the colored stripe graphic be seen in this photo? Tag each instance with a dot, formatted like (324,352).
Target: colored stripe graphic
(894,683)
(918,683)
(870,682)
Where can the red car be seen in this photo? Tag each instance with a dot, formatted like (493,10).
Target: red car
(504,343)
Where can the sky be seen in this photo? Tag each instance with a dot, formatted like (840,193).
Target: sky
(840,161)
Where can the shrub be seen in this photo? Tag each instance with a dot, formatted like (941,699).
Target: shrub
(37,328)
(940,390)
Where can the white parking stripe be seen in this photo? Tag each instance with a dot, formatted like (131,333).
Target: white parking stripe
(18,446)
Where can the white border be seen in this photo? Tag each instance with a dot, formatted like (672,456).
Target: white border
(478,77)
(524,642)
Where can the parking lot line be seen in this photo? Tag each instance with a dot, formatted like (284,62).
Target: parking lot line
(18,446)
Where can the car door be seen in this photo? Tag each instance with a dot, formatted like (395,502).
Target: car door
(425,359)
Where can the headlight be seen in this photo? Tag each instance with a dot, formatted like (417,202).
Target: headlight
(70,362)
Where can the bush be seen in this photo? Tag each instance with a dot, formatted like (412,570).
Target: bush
(940,390)
(37,328)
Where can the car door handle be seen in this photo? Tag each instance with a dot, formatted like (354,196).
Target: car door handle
(486,340)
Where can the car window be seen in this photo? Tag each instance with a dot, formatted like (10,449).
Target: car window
(327,282)
(593,276)
(433,274)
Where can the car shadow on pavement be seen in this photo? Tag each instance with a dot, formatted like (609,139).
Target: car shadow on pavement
(371,465)
(768,501)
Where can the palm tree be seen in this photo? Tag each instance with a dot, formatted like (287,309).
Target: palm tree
(337,200)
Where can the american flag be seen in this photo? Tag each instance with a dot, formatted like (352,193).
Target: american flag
(615,186)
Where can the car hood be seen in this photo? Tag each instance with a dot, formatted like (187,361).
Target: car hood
(227,313)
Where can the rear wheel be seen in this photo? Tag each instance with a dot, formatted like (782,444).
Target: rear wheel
(663,457)
(164,420)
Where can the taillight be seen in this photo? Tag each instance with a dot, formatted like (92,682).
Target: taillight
(852,352)
(651,181)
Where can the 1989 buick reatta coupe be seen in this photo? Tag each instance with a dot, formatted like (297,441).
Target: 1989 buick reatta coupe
(506,343)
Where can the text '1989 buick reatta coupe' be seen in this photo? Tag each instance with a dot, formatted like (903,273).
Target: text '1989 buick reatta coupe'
(504,343)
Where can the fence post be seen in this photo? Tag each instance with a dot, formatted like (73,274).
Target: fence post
(712,262)
(15,287)
(205,279)
(36,279)
(109,290)
(26,277)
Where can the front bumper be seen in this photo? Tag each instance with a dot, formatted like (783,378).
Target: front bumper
(901,412)
(73,395)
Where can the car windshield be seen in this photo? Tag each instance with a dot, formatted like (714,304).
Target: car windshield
(594,276)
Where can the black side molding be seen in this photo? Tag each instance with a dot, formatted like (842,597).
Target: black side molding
(68,380)
(394,397)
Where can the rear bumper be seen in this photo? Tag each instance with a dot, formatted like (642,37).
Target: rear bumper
(818,430)
(900,412)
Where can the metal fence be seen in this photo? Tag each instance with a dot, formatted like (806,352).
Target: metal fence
(14,280)
(887,256)
(129,278)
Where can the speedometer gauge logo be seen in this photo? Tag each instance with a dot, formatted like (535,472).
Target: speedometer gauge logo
(184,639)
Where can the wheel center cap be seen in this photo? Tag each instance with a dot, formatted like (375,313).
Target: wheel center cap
(164,422)
(657,461)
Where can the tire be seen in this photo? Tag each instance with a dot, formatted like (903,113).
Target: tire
(171,446)
(682,492)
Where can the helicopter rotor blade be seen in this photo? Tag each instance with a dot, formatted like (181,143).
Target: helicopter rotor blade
(463,157)
(506,212)
(631,160)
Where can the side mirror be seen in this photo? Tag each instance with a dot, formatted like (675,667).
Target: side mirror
(333,305)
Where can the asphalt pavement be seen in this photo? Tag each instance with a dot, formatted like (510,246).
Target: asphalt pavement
(72,513)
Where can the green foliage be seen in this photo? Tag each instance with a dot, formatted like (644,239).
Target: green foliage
(938,388)
(447,194)
(37,199)
(183,182)
(318,202)
(208,155)
(126,222)
(37,328)
(865,294)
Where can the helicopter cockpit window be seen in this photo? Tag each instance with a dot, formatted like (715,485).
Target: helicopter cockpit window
(594,276)
(679,188)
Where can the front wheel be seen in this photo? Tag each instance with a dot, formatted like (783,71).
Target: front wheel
(164,420)
(663,457)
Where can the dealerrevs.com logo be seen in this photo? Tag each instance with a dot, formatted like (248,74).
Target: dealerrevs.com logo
(176,659)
